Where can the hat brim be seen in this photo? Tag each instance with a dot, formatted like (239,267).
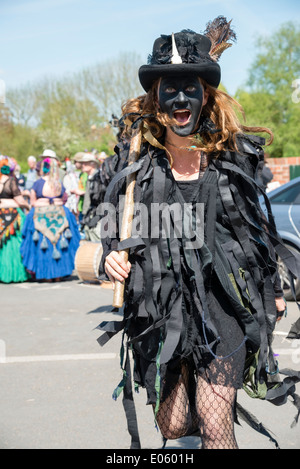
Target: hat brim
(90,161)
(210,72)
(48,156)
(78,156)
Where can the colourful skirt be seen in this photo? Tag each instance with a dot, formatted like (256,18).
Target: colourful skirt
(12,269)
(50,241)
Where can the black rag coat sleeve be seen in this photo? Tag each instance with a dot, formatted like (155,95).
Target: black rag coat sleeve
(252,162)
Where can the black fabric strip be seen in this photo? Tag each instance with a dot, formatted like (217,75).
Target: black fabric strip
(175,323)
(133,168)
(129,407)
(129,243)
(292,261)
(111,328)
(254,423)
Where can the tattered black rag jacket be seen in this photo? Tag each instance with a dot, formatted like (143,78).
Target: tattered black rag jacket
(239,249)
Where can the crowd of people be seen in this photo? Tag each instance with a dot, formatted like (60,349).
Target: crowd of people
(46,212)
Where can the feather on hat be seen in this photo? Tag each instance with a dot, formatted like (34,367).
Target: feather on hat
(220,33)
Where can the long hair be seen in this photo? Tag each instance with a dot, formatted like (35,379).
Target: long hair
(50,168)
(221,109)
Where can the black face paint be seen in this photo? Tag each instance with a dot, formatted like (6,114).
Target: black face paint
(182,99)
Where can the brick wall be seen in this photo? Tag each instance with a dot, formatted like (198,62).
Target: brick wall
(280,168)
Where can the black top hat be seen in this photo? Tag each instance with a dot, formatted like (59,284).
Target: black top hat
(189,52)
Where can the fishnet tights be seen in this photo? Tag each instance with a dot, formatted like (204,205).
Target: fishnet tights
(208,409)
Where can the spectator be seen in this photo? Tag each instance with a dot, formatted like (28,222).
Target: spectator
(31,175)
(82,180)
(93,196)
(12,218)
(50,232)
(52,154)
(20,178)
(70,182)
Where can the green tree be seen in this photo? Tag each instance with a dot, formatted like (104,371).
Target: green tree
(109,84)
(71,113)
(17,140)
(24,104)
(268,99)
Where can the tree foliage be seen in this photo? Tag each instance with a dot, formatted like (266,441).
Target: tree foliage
(268,100)
(72,113)
(69,114)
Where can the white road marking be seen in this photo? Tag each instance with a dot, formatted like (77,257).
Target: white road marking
(41,287)
(56,358)
(288,351)
(90,285)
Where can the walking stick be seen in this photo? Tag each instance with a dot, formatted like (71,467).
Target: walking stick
(134,152)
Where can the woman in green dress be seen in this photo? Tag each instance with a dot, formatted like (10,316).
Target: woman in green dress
(12,218)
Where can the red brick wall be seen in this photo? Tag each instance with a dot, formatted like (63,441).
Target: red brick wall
(280,168)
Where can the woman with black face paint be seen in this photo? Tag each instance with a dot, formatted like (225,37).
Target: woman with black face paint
(202,292)
(182,99)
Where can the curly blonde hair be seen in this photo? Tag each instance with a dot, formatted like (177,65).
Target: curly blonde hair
(221,108)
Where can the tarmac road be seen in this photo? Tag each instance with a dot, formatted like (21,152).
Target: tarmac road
(56,381)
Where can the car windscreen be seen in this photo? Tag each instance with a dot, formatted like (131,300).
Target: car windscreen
(288,196)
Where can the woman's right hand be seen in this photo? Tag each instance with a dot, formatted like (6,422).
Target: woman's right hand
(116,268)
(58,201)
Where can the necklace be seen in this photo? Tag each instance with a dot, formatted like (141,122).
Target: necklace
(192,147)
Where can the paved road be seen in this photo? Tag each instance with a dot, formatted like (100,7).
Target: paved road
(56,382)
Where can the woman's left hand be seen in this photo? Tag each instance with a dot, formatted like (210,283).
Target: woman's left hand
(58,201)
(281,307)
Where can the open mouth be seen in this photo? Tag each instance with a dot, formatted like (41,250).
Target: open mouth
(182,116)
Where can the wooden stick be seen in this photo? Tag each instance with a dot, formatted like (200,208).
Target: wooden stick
(134,152)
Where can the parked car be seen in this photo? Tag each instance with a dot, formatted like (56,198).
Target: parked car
(285,203)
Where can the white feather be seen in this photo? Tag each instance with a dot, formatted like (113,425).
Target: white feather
(176,59)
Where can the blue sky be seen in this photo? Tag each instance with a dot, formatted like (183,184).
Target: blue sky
(57,37)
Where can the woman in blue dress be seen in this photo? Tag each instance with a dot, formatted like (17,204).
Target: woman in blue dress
(50,233)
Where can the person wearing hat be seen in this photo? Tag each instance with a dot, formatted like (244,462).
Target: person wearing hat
(92,196)
(202,292)
(82,180)
(49,154)
(78,156)
(52,154)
